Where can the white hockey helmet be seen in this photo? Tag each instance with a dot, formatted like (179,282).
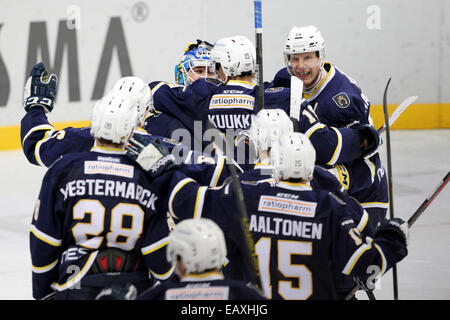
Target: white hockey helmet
(301,40)
(267,126)
(293,157)
(236,55)
(201,244)
(139,92)
(114,118)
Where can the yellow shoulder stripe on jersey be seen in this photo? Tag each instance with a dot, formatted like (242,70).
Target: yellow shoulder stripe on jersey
(42,127)
(217,172)
(383,205)
(159,85)
(363,222)
(199,201)
(45,237)
(337,151)
(356,255)
(177,188)
(46,137)
(315,127)
(371,167)
(155,246)
(383,261)
(163,276)
(44,268)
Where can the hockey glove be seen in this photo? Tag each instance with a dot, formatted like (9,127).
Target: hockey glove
(118,292)
(397,226)
(153,156)
(370,140)
(40,89)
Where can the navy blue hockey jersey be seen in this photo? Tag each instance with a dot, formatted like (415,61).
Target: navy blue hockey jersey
(206,286)
(43,145)
(302,236)
(230,109)
(91,201)
(339,102)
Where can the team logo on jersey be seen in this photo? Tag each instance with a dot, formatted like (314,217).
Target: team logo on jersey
(342,100)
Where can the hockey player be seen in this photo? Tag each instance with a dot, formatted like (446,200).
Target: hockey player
(195,64)
(198,250)
(302,236)
(96,222)
(43,145)
(338,102)
(266,128)
(228,103)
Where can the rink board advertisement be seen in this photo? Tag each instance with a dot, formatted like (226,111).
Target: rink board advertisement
(91,44)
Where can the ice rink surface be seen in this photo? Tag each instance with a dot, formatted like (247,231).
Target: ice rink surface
(420,159)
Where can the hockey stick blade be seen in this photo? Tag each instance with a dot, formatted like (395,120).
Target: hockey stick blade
(296,101)
(428,200)
(389,178)
(398,111)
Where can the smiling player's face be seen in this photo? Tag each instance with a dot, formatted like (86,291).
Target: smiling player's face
(306,66)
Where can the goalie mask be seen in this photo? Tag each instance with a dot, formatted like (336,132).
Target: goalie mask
(114,118)
(138,92)
(201,244)
(293,157)
(187,71)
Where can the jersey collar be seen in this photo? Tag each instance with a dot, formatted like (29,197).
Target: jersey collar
(322,84)
(207,276)
(241,83)
(99,149)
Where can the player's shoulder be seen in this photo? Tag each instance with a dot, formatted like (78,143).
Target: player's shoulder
(68,161)
(342,86)
(282,79)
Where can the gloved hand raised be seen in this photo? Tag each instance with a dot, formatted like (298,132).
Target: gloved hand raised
(40,89)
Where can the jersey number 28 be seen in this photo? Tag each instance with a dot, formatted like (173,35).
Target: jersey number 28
(87,234)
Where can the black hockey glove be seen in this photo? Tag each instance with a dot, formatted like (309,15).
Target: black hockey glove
(152,155)
(397,226)
(370,140)
(40,89)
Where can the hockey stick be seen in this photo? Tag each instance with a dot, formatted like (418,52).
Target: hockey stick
(389,177)
(258,35)
(296,101)
(410,222)
(398,111)
(428,200)
(249,244)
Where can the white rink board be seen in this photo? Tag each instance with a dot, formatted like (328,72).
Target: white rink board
(370,40)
